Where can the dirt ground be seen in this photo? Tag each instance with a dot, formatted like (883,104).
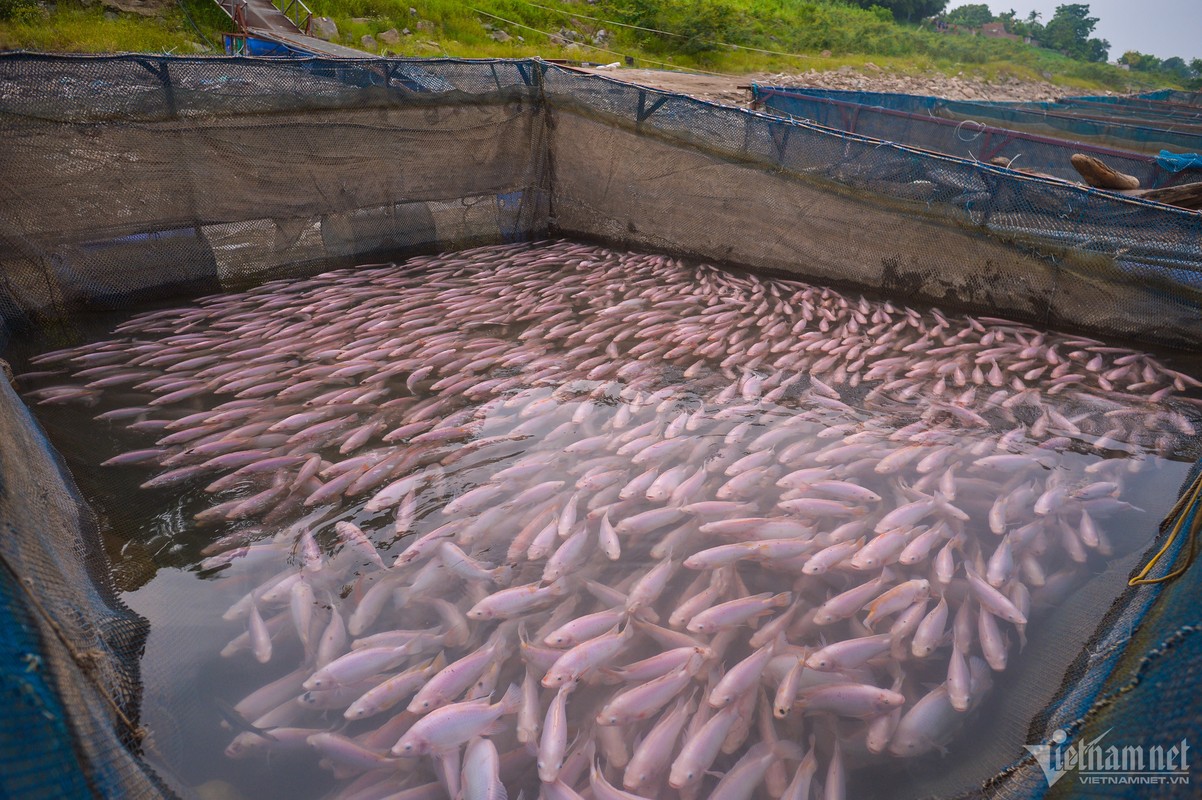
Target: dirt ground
(734,90)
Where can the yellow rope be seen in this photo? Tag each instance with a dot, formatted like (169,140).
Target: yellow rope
(1180,513)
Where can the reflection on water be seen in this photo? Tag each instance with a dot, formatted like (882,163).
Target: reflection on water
(565,517)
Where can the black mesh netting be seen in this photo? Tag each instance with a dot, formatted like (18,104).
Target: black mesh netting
(228,170)
(69,659)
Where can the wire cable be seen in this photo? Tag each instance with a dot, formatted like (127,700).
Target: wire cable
(617,24)
(195,27)
(1186,512)
(606,21)
(605,49)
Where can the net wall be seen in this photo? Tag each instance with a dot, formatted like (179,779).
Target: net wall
(1114,134)
(1138,115)
(1158,115)
(140,178)
(1175,96)
(69,648)
(137,178)
(971,140)
(650,169)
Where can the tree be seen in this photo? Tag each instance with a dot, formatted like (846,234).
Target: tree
(973,15)
(1177,66)
(1195,66)
(1028,27)
(1068,31)
(1140,62)
(1097,50)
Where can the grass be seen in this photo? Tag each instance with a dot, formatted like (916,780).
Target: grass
(75,28)
(848,35)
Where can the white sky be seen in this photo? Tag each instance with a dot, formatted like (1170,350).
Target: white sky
(1161,27)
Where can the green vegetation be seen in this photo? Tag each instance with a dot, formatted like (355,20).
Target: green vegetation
(18,10)
(907,10)
(973,15)
(73,27)
(1067,32)
(731,36)
(1173,68)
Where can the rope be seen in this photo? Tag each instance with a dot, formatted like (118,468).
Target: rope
(1185,511)
(606,21)
(617,24)
(195,27)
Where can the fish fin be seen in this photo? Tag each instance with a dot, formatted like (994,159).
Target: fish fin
(235,720)
(495,728)
(647,614)
(531,747)
(512,699)
(342,773)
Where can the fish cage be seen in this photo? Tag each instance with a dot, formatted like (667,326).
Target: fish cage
(248,196)
(1140,132)
(967,138)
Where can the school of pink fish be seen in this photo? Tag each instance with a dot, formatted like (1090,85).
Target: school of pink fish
(563,520)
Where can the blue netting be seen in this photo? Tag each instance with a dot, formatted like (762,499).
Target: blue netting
(37,750)
(1045,119)
(965,138)
(1137,114)
(1174,96)
(69,648)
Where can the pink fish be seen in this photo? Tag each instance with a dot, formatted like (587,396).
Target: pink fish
(451,726)
(554,743)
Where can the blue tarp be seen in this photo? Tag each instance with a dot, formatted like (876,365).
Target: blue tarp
(1179,161)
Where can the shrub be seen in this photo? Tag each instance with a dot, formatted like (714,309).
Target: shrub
(19,10)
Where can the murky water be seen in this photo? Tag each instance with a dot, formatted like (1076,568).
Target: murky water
(797,536)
